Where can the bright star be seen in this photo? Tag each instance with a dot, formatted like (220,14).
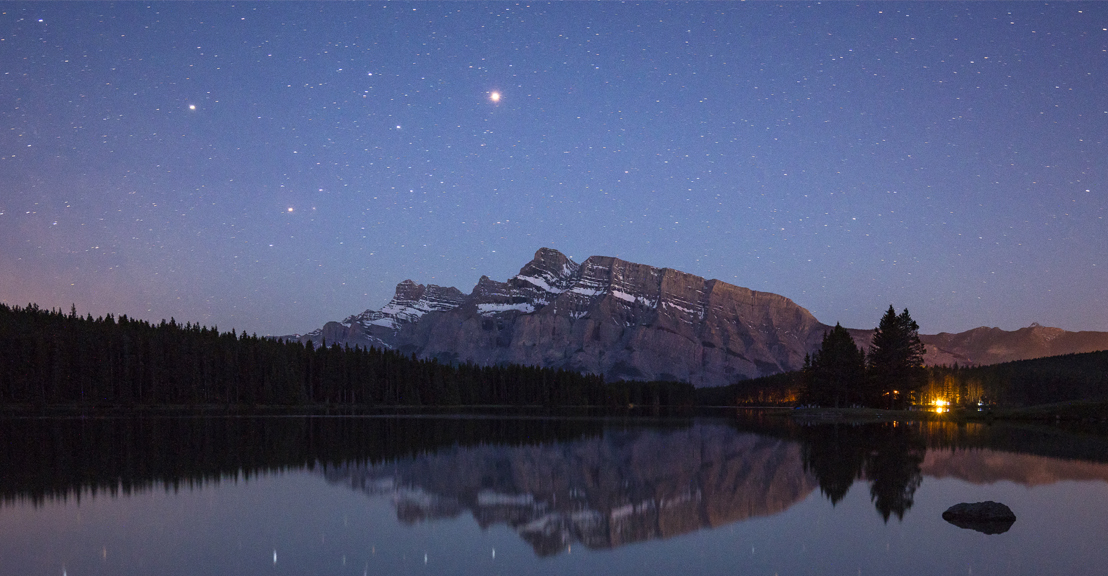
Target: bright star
(192,106)
(494,96)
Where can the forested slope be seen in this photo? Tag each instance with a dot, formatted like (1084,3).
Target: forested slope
(48,357)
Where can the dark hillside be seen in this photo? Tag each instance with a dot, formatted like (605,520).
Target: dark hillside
(1064,378)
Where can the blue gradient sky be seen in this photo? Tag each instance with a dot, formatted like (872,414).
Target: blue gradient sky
(269,167)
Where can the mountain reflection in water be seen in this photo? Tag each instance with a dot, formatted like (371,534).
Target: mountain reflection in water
(625,486)
(638,484)
(555,482)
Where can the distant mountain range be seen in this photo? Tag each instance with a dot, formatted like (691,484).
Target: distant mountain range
(981,346)
(636,322)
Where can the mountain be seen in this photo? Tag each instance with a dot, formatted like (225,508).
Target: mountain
(631,321)
(380,328)
(605,315)
(981,346)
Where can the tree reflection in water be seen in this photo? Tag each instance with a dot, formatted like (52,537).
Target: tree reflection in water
(641,479)
(889,455)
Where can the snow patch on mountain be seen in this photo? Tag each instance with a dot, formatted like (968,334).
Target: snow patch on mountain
(541,284)
(633,298)
(490,309)
(587,291)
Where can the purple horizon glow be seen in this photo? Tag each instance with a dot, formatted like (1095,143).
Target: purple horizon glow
(272,166)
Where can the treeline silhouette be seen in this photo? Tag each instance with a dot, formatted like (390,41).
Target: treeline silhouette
(50,358)
(651,394)
(1065,378)
(1047,380)
(58,458)
(782,389)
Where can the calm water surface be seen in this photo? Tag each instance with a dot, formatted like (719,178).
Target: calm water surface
(429,495)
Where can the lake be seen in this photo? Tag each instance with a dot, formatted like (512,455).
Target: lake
(358,495)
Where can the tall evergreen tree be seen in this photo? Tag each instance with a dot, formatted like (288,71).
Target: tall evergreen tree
(835,374)
(895,364)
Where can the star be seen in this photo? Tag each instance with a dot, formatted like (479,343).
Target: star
(702,135)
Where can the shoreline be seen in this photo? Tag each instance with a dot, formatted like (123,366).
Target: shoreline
(1076,411)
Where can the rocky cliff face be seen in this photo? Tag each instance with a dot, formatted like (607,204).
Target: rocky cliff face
(625,487)
(604,315)
(630,321)
(380,328)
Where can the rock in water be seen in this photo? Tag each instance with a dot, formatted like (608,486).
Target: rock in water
(986,517)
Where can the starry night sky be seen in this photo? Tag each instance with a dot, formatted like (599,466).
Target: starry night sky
(270,167)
